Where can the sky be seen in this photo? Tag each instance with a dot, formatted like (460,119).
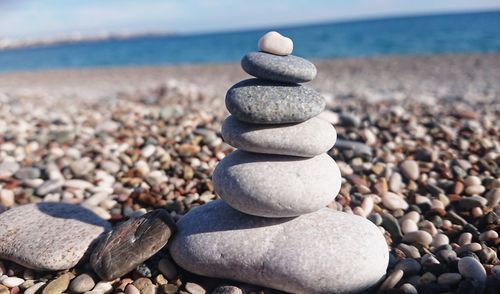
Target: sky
(36,19)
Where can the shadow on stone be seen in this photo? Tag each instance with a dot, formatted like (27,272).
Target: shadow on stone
(226,216)
(71,211)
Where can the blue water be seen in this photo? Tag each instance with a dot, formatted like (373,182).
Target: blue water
(434,34)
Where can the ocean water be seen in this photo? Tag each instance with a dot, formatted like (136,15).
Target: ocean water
(433,34)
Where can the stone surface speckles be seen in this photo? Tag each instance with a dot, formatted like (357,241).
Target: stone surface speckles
(265,102)
(287,69)
(217,241)
(48,236)
(306,139)
(276,185)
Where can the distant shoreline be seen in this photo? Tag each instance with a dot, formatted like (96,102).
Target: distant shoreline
(7,44)
(469,76)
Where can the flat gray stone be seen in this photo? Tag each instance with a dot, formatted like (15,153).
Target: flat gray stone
(265,102)
(131,243)
(49,236)
(357,148)
(322,252)
(306,139)
(276,185)
(287,69)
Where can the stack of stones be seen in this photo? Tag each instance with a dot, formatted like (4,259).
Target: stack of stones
(271,227)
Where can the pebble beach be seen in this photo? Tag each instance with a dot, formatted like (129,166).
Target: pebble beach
(418,145)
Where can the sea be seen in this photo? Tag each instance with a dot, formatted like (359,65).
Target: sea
(425,34)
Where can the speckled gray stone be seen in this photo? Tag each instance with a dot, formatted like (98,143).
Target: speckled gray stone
(131,243)
(306,139)
(266,102)
(288,69)
(276,185)
(322,252)
(49,236)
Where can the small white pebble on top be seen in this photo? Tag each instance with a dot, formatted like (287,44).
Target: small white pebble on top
(274,43)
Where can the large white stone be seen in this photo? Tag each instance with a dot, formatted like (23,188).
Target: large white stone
(275,43)
(276,185)
(322,252)
(306,139)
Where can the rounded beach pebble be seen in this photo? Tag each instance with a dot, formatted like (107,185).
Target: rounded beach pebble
(131,243)
(48,236)
(276,185)
(275,43)
(322,252)
(265,102)
(287,69)
(306,139)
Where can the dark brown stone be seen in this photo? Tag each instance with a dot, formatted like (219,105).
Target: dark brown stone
(131,243)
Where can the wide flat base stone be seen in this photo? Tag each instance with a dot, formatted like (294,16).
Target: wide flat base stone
(321,252)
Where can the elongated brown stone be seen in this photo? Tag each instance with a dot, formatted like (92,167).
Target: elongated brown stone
(131,243)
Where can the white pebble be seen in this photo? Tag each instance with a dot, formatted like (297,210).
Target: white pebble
(439,240)
(465,239)
(421,237)
(367,204)
(393,201)
(488,235)
(274,43)
(409,226)
(148,151)
(103,287)
(12,282)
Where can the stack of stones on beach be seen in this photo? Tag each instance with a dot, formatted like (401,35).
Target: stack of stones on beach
(272,227)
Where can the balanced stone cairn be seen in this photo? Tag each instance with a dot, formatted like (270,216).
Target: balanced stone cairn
(271,227)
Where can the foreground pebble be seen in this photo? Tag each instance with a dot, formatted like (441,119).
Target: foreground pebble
(311,262)
(48,236)
(82,283)
(131,243)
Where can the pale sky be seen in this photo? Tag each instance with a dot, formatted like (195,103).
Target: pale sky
(56,18)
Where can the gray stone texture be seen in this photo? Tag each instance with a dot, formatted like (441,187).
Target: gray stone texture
(265,102)
(276,185)
(306,139)
(287,69)
(322,252)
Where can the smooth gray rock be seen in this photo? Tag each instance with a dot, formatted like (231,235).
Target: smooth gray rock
(265,102)
(357,148)
(287,69)
(306,139)
(276,185)
(322,252)
(49,236)
(27,173)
